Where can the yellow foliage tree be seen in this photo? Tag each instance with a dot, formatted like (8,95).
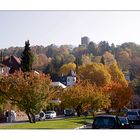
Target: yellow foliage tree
(95,73)
(66,68)
(116,74)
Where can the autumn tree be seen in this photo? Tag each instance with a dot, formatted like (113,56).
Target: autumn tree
(28,91)
(84,96)
(95,73)
(40,62)
(97,59)
(3,101)
(66,68)
(117,75)
(79,51)
(124,59)
(135,67)
(69,59)
(120,95)
(108,59)
(26,58)
(86,59)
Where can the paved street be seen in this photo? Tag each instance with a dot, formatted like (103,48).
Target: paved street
(89,126)
(26,121)
(136,126)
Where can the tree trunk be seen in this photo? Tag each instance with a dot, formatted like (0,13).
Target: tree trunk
(107,111)
(31,117)
(78,110)
(119,110)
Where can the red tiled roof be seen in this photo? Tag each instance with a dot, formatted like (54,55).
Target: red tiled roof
(2,65)
(17,59)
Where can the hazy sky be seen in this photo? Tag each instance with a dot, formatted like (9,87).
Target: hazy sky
(67,27)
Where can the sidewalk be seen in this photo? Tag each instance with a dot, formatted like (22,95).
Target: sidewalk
(13,123)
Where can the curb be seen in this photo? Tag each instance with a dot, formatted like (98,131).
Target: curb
(84,126)
(81,127)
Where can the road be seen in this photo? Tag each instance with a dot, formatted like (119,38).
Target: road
(59,117)
(89,126)
(136,126)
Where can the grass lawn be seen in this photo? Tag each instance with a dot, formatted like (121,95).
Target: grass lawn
(68,123)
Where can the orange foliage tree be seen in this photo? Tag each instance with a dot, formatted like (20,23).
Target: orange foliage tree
(29,91)
(82,97)
(120,95)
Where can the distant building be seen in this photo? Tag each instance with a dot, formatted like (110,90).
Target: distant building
(67,80)
(4,70)
(13,63)
(126,75)
(85,41)
(71,78)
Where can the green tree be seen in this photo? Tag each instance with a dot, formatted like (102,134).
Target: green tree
(92,48)
(27,58)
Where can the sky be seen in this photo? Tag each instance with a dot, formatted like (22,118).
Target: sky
(67,27)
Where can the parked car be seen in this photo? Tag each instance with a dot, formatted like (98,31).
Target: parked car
(50,114)
(138,110)
(126,124)
(106,122)
(133,116)
(125,110)
(40,116)
(70,112)
(2,117)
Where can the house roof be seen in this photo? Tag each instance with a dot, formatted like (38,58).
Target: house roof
(12,58)
(71,73)
(17,59)
(58,84)
(2,65)
(13,63)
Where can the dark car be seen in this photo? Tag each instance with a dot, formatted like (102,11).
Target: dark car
(2,118)
(126,124)
(69,112)
(133,116)
(106,122)
(138,111)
